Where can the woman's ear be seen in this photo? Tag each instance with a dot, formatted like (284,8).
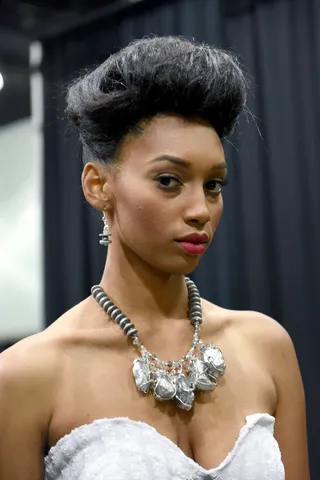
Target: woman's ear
(96,185)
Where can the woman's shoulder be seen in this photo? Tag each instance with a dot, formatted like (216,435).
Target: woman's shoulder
(39,357)
(261,338)
(29,374)
(255,329)
(31,362)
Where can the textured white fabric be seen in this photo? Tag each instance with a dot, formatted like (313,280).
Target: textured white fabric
(123,449)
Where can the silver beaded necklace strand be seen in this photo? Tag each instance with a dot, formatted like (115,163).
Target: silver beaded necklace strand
(199,369)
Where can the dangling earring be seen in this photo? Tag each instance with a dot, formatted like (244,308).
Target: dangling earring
(105,235)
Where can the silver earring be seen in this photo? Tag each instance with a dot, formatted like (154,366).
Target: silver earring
(105,235)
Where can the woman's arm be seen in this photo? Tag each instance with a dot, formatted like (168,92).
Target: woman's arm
(25,399)
(290,427)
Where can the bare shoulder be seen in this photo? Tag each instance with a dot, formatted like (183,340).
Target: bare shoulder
(267,340)
(253,328)
(27,353)
(264,338)
(30,367)
(34,366)
(28,383)
(41,357)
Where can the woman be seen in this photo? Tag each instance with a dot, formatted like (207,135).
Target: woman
(85,393)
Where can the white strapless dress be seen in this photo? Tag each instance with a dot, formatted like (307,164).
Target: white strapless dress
(123,449)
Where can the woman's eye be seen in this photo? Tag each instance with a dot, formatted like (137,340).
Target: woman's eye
(215,186)
(168,182)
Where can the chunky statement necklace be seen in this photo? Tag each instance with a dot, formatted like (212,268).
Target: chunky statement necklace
(199,369)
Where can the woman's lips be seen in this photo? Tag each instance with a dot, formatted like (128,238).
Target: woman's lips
(193,248)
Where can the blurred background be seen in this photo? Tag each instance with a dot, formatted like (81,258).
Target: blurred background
(266,254)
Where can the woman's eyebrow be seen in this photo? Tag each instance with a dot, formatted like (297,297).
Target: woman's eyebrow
(184,163)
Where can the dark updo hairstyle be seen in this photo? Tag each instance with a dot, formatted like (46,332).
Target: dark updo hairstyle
(157,75)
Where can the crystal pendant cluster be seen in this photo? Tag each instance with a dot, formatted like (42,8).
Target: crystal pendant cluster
(199,369)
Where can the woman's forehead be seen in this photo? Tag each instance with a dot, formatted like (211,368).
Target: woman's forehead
(170,135)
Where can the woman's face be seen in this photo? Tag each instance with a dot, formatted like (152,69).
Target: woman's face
(168,186)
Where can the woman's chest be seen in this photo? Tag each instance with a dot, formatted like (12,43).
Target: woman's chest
(102,386)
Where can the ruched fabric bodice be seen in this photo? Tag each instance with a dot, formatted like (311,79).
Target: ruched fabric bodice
(123,449)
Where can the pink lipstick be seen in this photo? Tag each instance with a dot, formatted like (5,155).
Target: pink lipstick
(195,243)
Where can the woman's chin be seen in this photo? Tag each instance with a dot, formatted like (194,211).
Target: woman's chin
(180,266)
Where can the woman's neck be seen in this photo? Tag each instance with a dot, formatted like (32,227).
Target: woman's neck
(139,290)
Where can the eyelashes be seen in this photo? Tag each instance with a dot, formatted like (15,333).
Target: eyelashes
(172,183)
(168,182)
(218,183)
